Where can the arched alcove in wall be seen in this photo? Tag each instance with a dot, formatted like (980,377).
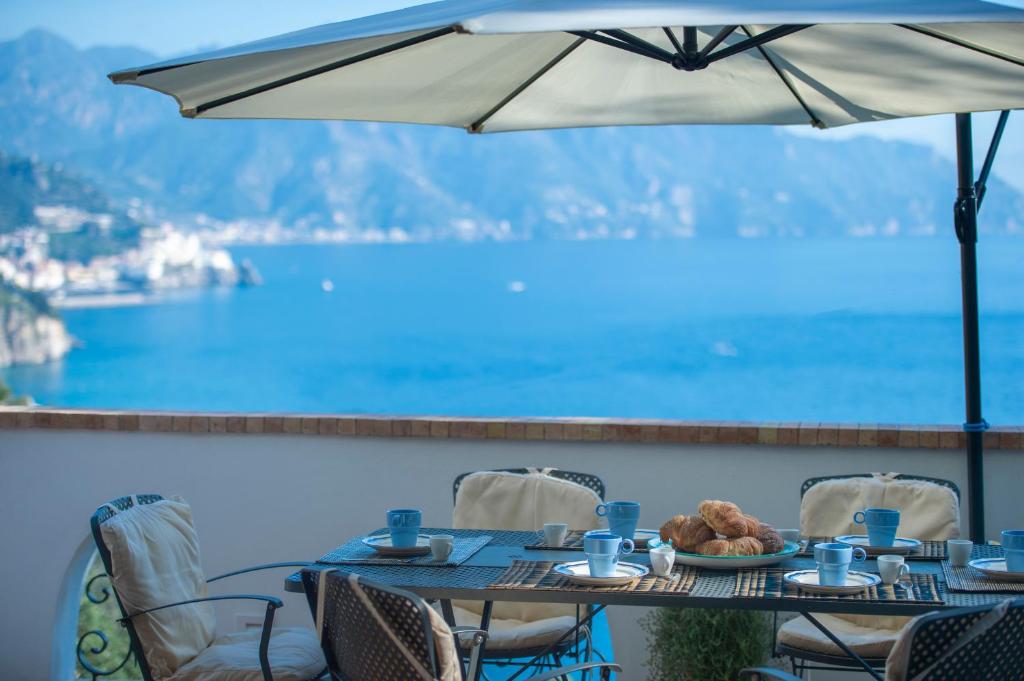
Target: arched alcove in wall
(99,638)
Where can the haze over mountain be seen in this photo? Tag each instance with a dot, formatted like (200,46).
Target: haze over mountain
(57,105)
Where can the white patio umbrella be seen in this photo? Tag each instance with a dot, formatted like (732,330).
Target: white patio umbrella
(501,65)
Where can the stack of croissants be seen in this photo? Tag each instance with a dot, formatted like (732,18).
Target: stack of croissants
(720,528)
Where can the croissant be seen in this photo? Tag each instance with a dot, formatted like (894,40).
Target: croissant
(686,532)
(724,517)
(739,546)
(771,540)
(753,526)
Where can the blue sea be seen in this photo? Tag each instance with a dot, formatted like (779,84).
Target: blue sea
(791,330)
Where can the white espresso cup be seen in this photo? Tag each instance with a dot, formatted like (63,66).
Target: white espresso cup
(790,535)
(892,568)
(959,551)
(555,533)
(662,559)
(441,546)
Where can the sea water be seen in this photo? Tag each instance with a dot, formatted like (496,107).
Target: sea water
(783,330)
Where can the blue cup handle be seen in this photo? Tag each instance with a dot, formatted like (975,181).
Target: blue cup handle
(858,517)
(859,554)
(601,510)
(623,550)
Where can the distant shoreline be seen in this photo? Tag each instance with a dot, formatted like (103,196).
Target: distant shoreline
(101,300)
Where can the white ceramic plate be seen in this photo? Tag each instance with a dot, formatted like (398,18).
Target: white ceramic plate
(807,580)
(995,568)
(642,538)
(733,562)
(382,545)
(901,546)
(578,572)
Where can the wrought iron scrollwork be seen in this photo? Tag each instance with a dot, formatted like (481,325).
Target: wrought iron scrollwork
(94,643)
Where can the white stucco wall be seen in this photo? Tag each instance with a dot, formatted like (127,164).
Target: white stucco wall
(263,498)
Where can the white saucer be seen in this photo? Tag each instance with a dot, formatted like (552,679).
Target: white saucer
(382,545)
(807,580)
(995,568)
(901,546)
(578,572)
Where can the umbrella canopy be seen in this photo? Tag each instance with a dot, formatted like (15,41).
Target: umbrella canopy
(497,65)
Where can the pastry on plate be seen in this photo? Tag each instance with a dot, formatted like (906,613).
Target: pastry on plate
(724,517)
(686,532)
(738,546)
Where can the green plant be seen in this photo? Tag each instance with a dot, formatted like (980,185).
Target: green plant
(705,645)
(103,617)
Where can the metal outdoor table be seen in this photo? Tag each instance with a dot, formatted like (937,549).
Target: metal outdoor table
(713,589)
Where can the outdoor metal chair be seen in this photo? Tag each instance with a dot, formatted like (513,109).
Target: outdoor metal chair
(370,631)
(500,651)
(802,659)
(983,642)
(262,666)
(586,479)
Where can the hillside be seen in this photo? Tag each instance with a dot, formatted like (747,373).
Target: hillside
(438,183)
(79,218)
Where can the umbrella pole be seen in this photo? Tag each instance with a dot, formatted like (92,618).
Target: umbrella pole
(966,223)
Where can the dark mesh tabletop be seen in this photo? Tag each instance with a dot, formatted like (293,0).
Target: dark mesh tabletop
(712,589)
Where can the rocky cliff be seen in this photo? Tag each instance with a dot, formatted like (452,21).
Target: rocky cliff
(29,335)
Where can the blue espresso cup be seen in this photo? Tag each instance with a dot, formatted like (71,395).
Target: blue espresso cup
(1013,549)
(603,550)
(833,561)
(881,523)
(404,524)
(623,517)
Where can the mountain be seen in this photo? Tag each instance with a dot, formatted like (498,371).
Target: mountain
(56,104)
(80,219)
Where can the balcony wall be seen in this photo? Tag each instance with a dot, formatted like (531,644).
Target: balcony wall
(264,496)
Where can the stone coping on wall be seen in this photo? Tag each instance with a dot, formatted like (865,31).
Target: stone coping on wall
(807,434)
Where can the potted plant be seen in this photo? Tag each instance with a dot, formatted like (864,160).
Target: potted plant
(705,645)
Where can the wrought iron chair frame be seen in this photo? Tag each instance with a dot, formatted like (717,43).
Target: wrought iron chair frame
(841,662)
(591,482)
(310,584)
(588,480)
(103,513)
(975,613)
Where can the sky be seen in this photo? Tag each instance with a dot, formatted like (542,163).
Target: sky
(174,28)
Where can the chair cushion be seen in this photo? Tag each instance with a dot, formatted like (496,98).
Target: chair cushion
(514,501)
(294,655)
(448,663)
(512,634)
(867,641)
(927,510)
(154,555)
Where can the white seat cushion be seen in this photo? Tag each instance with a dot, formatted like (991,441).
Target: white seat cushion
(867,641)
(294,655)
(493,500)
(927,511)
(512,634)
(154,556)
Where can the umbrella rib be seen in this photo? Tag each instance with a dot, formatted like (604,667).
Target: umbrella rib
(962,43)
(815,121)
(637,41)
(320,70)
(478,124)
(605,40)
(761,38)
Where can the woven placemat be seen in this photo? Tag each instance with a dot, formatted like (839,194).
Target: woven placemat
(573,542)
(355,552)
(929,550)
(967,579)
(769,583)
(531,574)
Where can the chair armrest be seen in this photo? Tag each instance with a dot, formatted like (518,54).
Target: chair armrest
(605,667)
(272,602)
(767,674)
(255,568)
